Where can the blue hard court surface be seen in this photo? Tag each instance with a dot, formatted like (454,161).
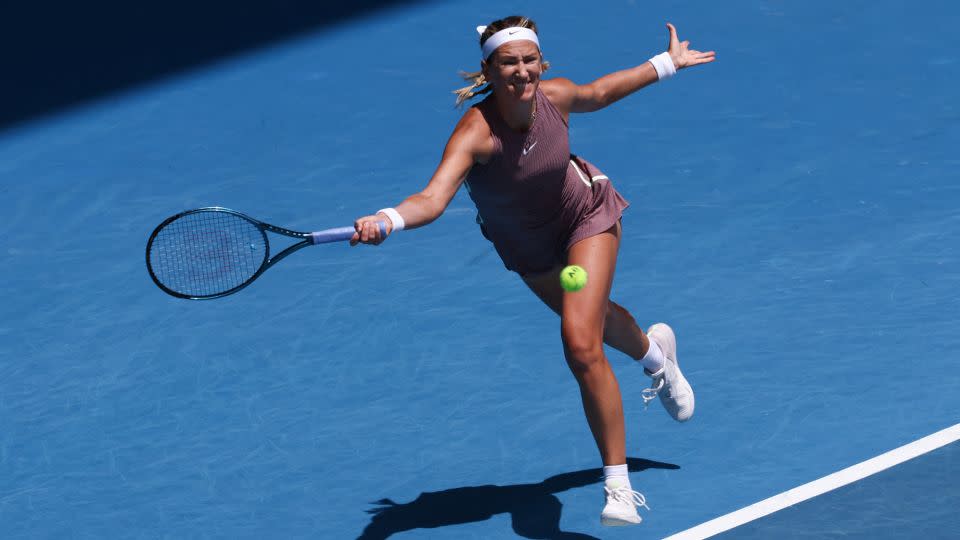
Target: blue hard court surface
(794,217)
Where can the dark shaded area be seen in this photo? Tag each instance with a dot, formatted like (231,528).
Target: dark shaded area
(59,54)
(534,509)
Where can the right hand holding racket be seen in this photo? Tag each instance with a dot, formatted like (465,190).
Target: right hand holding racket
(369,230)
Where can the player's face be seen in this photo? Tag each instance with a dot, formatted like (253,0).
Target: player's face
(515,68)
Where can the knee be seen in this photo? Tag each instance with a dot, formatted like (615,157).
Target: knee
(583,349)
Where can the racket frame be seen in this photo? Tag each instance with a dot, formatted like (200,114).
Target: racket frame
(306,239)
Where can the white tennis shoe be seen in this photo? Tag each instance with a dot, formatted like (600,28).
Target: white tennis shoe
(621,507)
(669,383)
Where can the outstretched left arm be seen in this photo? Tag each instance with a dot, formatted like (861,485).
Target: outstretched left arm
(570,97)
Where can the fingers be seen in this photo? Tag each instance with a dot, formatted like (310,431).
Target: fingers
(674,41)
(367,231)
(683,56)
(370,233)
(697,57)
(357,226)
(673,31)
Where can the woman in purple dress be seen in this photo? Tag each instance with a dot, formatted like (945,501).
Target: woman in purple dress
(544,208)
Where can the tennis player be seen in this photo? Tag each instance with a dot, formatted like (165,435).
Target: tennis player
(544,208)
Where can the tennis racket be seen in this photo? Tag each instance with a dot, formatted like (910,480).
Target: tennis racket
(212,252)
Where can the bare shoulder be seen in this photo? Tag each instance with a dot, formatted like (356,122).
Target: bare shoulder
(473,122)
(472,135)
(561,92)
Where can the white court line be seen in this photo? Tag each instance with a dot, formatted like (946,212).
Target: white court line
(821,486)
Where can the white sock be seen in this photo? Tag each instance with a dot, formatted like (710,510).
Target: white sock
(653,360)
(615,476)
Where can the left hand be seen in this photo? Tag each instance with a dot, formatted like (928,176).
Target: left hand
(682,55)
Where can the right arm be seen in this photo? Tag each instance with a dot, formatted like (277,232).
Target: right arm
(469,143)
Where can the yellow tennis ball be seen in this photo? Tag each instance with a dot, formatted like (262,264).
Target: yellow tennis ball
(573,278)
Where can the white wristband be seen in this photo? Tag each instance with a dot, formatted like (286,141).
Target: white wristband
(664,65)
(395,218)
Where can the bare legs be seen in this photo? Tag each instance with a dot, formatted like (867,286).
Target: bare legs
(588,319)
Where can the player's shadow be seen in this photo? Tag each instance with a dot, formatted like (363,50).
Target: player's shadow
(534,508)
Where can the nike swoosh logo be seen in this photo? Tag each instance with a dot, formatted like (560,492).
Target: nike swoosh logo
(512,32)
(529,148)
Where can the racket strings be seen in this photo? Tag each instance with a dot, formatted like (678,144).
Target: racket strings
(207,253)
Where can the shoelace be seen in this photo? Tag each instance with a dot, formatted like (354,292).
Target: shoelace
(650,394)
(625,495)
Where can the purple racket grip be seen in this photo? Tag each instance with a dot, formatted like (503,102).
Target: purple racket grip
(340,234)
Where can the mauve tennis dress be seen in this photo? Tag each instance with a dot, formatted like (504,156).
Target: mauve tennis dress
(534,199)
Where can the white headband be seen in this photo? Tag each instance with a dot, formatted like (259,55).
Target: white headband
(506,35)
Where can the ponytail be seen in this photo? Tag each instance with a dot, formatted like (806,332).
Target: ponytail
(477,80)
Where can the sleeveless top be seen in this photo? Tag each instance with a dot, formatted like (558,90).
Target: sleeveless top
(533,198)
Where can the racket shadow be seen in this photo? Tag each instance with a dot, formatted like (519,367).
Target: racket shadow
(534,508)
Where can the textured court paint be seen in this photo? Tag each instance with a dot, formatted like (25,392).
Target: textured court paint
(794,218)
(887,505)
(944,474)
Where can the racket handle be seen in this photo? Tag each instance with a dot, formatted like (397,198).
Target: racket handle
(340,234)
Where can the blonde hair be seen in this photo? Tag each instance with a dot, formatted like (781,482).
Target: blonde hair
(478,83)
